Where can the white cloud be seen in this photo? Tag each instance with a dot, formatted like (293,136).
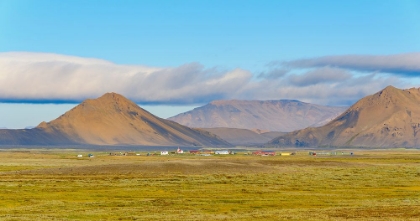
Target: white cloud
(336,87)
(398,64)
(273,74)
(325,75)
(40,77)
(50,77)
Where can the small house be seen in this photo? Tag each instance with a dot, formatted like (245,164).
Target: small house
(207,151)
(269,153)
(264,153)
(179,151)
(194,152)
(165,152)
(223,152)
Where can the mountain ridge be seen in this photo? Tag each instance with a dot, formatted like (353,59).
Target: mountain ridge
(388,118)
(112,120)
(243,137)
(269,115)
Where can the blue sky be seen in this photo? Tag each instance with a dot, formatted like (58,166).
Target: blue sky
(306,50)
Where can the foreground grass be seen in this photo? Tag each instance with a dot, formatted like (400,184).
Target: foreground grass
(52,185)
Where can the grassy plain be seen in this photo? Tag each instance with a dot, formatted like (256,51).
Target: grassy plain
(56,185)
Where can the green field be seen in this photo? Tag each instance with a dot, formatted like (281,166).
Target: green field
(57,185)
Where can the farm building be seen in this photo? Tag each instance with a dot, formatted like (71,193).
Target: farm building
(194,151)
(165,152)
(333,153)
(179,151)
(221,152)
(264,153)
(207,151)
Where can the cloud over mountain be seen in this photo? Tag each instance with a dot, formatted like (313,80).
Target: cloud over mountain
(333,80)
(321,75)
(399,64)
(39,77)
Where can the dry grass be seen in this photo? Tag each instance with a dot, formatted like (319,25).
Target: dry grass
(54,185)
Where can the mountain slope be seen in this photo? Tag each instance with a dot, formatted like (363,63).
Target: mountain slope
(389,118)
(281,115)
(243,136)
(111,120)
(34,136)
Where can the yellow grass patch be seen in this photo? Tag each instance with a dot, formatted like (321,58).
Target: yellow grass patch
(57,185)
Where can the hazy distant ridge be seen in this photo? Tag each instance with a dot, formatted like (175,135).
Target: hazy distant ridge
(243,136)
(275,115)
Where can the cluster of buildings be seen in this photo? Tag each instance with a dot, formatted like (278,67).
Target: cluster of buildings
(165,152)
(205,152)
(333,153)
(217,152)
(227,152)
(271,153)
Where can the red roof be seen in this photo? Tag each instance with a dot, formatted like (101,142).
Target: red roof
(261,152)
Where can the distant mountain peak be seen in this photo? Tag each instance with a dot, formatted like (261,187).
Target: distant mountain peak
(265,115)
(390,87)
(389,91)
(107,98)
(387,97)
(112,96)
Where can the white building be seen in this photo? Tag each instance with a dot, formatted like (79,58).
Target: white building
(221,152)
(179,151)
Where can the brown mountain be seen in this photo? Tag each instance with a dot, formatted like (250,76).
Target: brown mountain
(389,118)
(280,115)
(243,136)
(110,120)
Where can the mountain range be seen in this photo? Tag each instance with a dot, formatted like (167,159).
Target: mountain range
(110,120)
(388,118)
(244,137)
(275,115)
